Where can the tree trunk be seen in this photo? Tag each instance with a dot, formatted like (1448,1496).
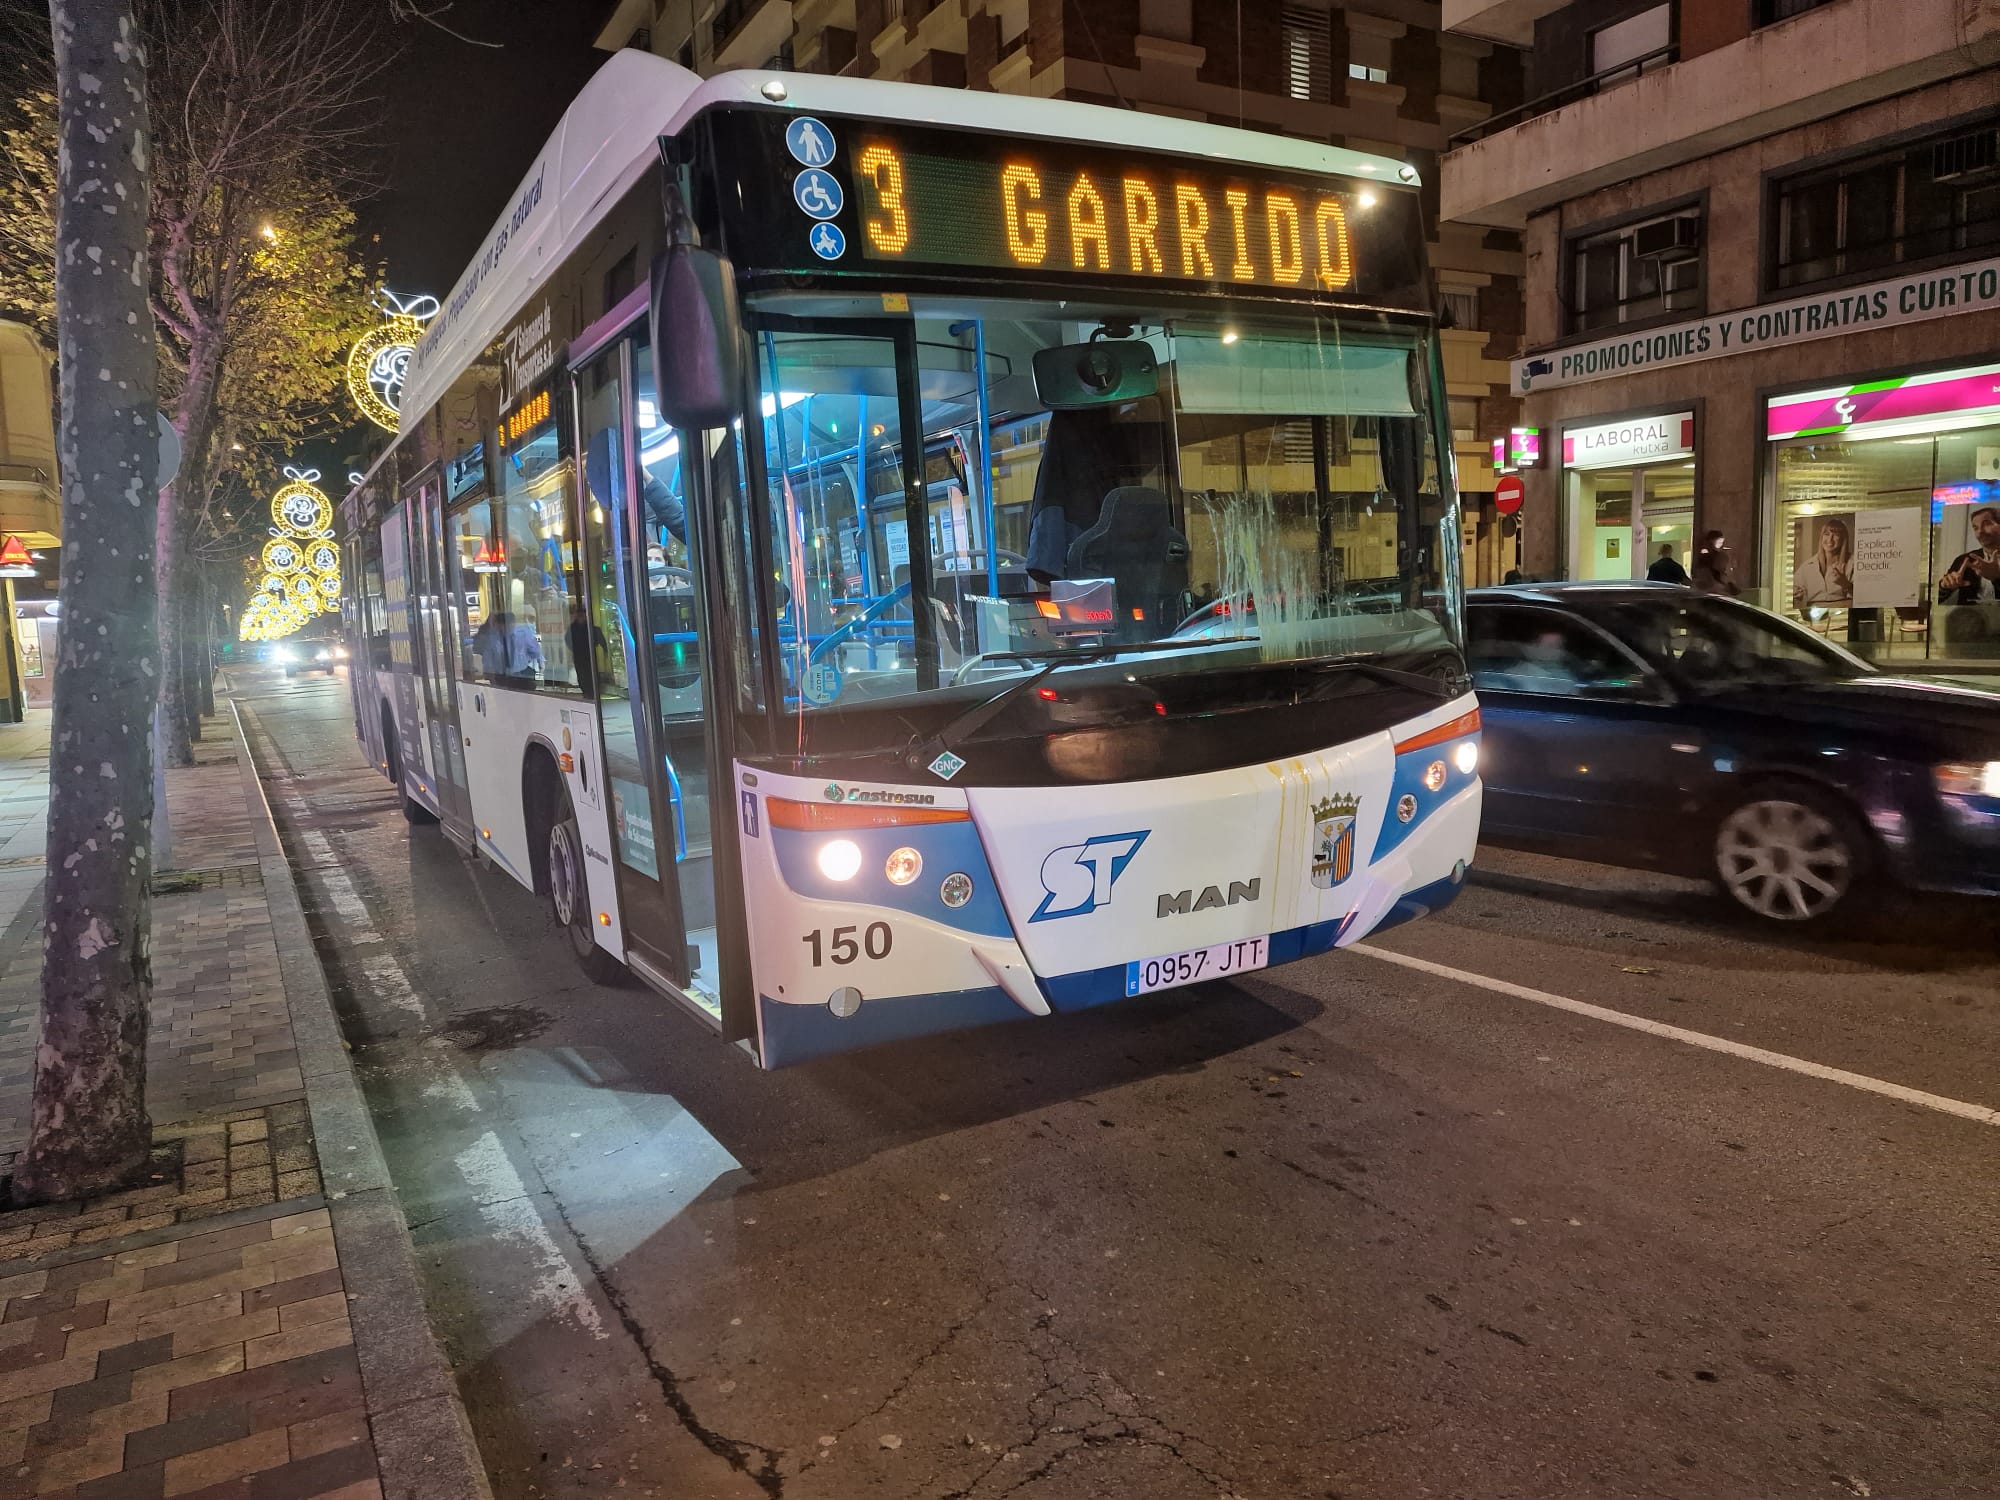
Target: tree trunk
(192,640)
(88,1130)
(207,642)
(175,746)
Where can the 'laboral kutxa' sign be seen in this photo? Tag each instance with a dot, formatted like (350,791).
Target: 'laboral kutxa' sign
(1883,304)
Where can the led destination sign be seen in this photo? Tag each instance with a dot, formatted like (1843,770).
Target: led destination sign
(1042,209)
(888,199)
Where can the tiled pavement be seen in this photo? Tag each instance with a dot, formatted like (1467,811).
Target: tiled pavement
(189,1336)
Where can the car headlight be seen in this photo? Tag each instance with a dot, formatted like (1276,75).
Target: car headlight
(283,653)
(1968,778)
(340,653)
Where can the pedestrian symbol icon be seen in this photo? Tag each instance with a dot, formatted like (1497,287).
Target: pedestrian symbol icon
(810,142)
(817,192)
(828,242)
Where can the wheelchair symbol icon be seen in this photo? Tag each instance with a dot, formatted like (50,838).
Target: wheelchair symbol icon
(817,193)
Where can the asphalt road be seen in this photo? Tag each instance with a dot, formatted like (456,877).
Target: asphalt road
(1349,1229)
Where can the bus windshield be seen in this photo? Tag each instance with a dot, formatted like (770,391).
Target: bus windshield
(1002,487)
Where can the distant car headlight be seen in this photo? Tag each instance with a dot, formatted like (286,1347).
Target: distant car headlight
(340,653)
(284,654)
(1968,778)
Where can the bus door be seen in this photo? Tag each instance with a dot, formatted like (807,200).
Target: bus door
(400,588)
(440,607)
(644,600)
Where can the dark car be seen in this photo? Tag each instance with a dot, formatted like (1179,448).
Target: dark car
(1647,725)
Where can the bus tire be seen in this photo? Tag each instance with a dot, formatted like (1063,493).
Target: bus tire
(569,893)
(414,812)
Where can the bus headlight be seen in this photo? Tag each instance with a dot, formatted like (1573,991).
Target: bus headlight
(1466,757)
(1434,775)
(903,866)
(956,890)
(840,859)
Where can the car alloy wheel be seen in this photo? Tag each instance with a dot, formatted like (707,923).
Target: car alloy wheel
(1785,859)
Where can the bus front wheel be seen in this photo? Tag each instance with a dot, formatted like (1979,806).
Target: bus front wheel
(569,894)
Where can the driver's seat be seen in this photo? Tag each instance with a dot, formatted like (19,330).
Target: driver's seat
(1134,543)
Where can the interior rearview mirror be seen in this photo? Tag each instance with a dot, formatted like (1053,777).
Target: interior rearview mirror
(1074,375)
(697,339)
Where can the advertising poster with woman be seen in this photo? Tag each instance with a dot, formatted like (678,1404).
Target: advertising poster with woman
(1823,562)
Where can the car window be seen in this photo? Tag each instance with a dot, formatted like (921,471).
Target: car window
(1539,651)
(1718,643)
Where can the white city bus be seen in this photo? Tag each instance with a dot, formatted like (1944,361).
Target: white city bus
(883,559)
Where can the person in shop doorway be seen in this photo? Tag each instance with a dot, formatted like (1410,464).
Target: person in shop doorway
(1666,567)
(1974,577)
(1715,566)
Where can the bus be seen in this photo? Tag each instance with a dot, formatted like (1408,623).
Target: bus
(881,559)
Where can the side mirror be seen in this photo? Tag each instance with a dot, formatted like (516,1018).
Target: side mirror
(697,339)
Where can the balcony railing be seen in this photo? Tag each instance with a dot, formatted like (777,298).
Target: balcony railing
(1569,93)
(23,474)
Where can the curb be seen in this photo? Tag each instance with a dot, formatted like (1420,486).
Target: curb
(423,1439)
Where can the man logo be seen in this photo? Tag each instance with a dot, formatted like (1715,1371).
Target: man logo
(1176,904)
(1333,830)
(1078,877)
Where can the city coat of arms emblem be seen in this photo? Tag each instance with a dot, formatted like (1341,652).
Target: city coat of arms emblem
(1333,840)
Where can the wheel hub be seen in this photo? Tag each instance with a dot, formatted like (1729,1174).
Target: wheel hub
(1783,859)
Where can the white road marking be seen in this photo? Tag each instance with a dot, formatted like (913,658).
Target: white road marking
(511,1214)
(1982,1114)
(339,889)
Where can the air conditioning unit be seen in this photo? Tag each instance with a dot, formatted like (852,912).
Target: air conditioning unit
(1668,239)
(1972,157)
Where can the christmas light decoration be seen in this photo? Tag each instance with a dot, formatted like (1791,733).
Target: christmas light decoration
(297,572)
(380,357)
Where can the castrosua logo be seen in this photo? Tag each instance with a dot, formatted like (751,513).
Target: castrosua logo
(835,792)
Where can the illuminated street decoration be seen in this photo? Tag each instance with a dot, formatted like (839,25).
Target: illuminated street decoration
(380,357)
(301,506)
(297,571)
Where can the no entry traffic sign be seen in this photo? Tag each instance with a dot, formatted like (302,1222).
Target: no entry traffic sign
(1507,494)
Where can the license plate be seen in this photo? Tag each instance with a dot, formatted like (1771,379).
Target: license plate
(1144,975)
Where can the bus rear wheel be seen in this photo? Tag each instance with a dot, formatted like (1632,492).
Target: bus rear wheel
(569,894)
(414,812)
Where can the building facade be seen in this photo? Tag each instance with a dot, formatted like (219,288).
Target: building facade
(1380,77)
(1763,297)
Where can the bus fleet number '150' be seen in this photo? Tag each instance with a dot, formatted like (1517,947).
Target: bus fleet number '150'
(842,947)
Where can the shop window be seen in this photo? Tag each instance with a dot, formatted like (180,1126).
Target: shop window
(1635,45)
(1935,198)
(1305,39)
(1873,536)
(1636,273)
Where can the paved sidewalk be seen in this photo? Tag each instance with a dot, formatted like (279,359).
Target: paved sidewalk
(196,1335)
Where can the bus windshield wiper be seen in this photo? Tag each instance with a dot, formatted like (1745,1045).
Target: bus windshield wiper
(1397,677)
(986,710)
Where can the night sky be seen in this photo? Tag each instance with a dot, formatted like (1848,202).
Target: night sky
(461,124)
